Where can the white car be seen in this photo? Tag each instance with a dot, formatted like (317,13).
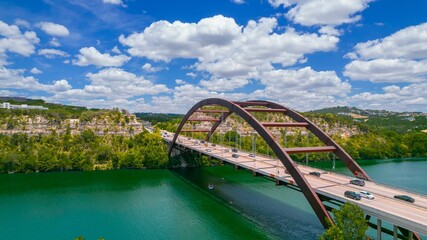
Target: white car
(366,194)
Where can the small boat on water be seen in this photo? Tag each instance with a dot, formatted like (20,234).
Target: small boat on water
(210,186)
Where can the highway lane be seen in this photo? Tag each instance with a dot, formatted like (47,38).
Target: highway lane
(412,216)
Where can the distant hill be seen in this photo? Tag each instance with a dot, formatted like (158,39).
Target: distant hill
(41,102)
(63,118)
(381,119)
(159,117)
(14,99)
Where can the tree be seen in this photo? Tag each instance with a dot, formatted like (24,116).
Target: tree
(333,233)
(350,224)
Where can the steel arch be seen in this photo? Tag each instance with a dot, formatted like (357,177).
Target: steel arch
(343,155)
(286,160)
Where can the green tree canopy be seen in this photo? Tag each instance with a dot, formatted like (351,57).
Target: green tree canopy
(350,223)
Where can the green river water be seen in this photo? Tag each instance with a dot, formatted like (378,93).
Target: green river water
(171,204)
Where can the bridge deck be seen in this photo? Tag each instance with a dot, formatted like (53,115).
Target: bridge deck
(412,216)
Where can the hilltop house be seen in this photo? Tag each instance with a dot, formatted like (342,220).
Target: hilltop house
(7,105)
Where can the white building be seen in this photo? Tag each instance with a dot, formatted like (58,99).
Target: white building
(7,105)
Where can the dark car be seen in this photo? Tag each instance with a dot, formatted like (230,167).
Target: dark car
(352,195)
(234,150)
(213,144)
(357,182)
(317,174)
(405,198)
(235,155)
(252,155)
(202,141)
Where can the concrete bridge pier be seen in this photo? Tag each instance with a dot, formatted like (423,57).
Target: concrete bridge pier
(379,229)
(175,152)
(394,232)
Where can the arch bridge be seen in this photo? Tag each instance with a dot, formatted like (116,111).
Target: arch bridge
(313,189)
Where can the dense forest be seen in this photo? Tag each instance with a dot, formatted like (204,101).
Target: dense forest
(81,152)
(155,118)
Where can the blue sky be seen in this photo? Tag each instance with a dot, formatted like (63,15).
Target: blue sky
(164,56)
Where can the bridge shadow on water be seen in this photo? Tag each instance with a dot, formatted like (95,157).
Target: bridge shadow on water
(281,212)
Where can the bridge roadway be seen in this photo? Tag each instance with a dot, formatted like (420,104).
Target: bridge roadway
(412,216)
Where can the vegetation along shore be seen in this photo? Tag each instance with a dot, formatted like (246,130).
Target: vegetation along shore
(69,138)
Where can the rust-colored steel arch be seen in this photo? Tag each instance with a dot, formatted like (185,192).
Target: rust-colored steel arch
(283,156)
(343,155)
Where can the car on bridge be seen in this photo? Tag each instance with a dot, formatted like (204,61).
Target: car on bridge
(357,182)
(317,174)
(208,150)
(213,144)
(235,155)
(405,198)
(352,195)
(252,155)
(234,150)
(366,194)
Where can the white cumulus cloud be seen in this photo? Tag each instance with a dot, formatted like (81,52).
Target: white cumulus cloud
(387,70)
(54,29)
(116,50)
(91,56)
(229,53)
(320,12)
(180,82)
(52,53)
(108,88)
(14,79)
(54,42)
(304,88)
(125,83)
(238,1)
(400,57)
(36,71)
(223,84)
(61,85)
(149,68)
(22,22)
(394,98)
(13,40)
(409,43)
(114,2)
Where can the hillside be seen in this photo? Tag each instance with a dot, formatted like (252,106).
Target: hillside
(41,102)
(155,118)
(70,138)
(364,135)
(400,122)
(61,118)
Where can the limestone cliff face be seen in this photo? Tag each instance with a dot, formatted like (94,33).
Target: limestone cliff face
(235,123)
(125,124)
